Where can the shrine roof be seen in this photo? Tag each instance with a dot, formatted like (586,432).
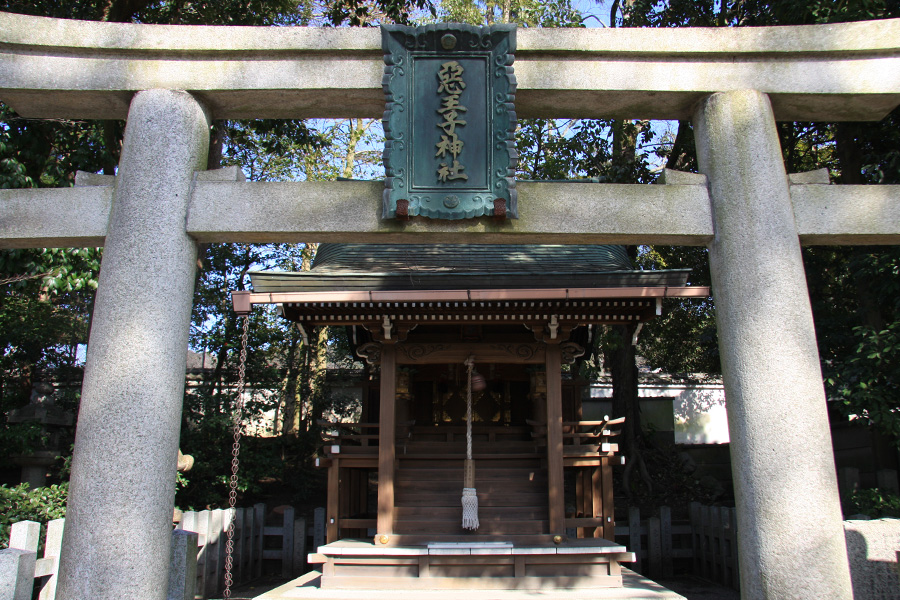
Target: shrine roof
(363,267)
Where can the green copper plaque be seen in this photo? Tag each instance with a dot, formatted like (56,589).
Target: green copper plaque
(449,121)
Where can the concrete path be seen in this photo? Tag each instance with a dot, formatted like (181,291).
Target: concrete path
(307,588)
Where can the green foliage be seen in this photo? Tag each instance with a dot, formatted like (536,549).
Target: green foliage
(524,13)
(674,485)
(868,382)
(47,153)
(20,503)
(175,12)
(47,293)
(273,150)
(374,12)
(853,291)
(663,340)
(44,315)
(875,503)
(736,13)
(42,320)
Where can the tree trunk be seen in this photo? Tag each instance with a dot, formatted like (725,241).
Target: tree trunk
(357,129)
(620,360)
(683,156)
(216,144)
(290,398)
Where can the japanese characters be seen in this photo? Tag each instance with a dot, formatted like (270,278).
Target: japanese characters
(451,85)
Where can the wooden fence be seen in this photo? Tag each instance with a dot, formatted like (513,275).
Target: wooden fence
(656,541)
(285,543)
(706,545)
(715,543)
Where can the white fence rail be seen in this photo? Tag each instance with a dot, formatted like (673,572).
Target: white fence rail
(198,552)
(20,566)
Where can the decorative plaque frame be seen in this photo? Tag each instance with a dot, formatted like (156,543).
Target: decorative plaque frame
(449,121)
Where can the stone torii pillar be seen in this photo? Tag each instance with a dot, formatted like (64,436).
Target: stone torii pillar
(118,525)
(790,536)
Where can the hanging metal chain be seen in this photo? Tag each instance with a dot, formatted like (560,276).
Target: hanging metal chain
(238,418)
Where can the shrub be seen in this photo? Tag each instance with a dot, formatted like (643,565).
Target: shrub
(875,503)
(20,503)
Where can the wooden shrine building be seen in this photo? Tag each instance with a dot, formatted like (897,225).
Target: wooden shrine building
(522,313)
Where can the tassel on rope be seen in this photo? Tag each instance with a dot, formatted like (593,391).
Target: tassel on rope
(469,496)
(470,509)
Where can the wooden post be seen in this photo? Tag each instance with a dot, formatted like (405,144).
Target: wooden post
(696,536)
(555,440)
(259,519)
(597,509)
(665,531)
(250,544)
(654,547)
(227,517)
(848,482)
(214,546)
(238,556)
(718,536)
(732,553)
(386,427)
(299,546)
(634,536)
(287,543)
(707,555)
(332,517)
(887,480)
(609,509)
(318,528)
(580,501)
(201,526)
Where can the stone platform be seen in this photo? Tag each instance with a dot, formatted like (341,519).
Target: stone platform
(634,587)
(578,563)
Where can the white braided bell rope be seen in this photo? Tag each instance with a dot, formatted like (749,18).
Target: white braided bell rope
(469,497)
(470,363)
(470,509)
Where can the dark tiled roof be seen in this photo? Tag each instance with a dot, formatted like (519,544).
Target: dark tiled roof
(468,258)
(470,266)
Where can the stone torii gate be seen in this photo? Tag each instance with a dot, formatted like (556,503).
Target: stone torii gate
(171,81)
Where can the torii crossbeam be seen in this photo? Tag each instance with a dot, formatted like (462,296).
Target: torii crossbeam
(172,81)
